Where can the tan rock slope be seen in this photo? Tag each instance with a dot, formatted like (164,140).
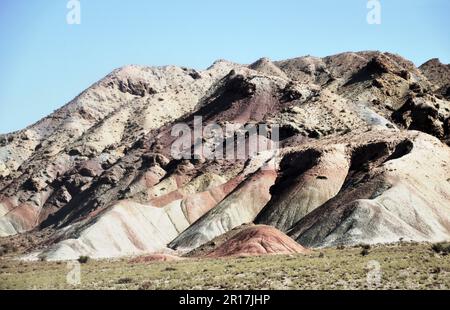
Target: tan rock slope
(363,157)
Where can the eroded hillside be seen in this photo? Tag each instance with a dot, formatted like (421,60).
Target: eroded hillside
(363,157)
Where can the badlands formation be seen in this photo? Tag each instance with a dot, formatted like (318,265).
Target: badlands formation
(363,157)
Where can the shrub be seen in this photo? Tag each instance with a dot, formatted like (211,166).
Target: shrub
(437,247)
(83,259)
(365,252)
(170,269)
(124,280)
(441,248)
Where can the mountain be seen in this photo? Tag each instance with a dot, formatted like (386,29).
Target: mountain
(363,157)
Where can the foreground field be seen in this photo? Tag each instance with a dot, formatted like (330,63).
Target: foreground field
(401,266)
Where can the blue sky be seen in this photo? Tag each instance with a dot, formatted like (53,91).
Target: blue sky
(44,62)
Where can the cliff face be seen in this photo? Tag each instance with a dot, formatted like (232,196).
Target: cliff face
(363,157)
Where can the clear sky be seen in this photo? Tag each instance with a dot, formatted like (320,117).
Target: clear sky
(44,62)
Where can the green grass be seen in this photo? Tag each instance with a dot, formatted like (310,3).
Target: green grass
(403,266)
